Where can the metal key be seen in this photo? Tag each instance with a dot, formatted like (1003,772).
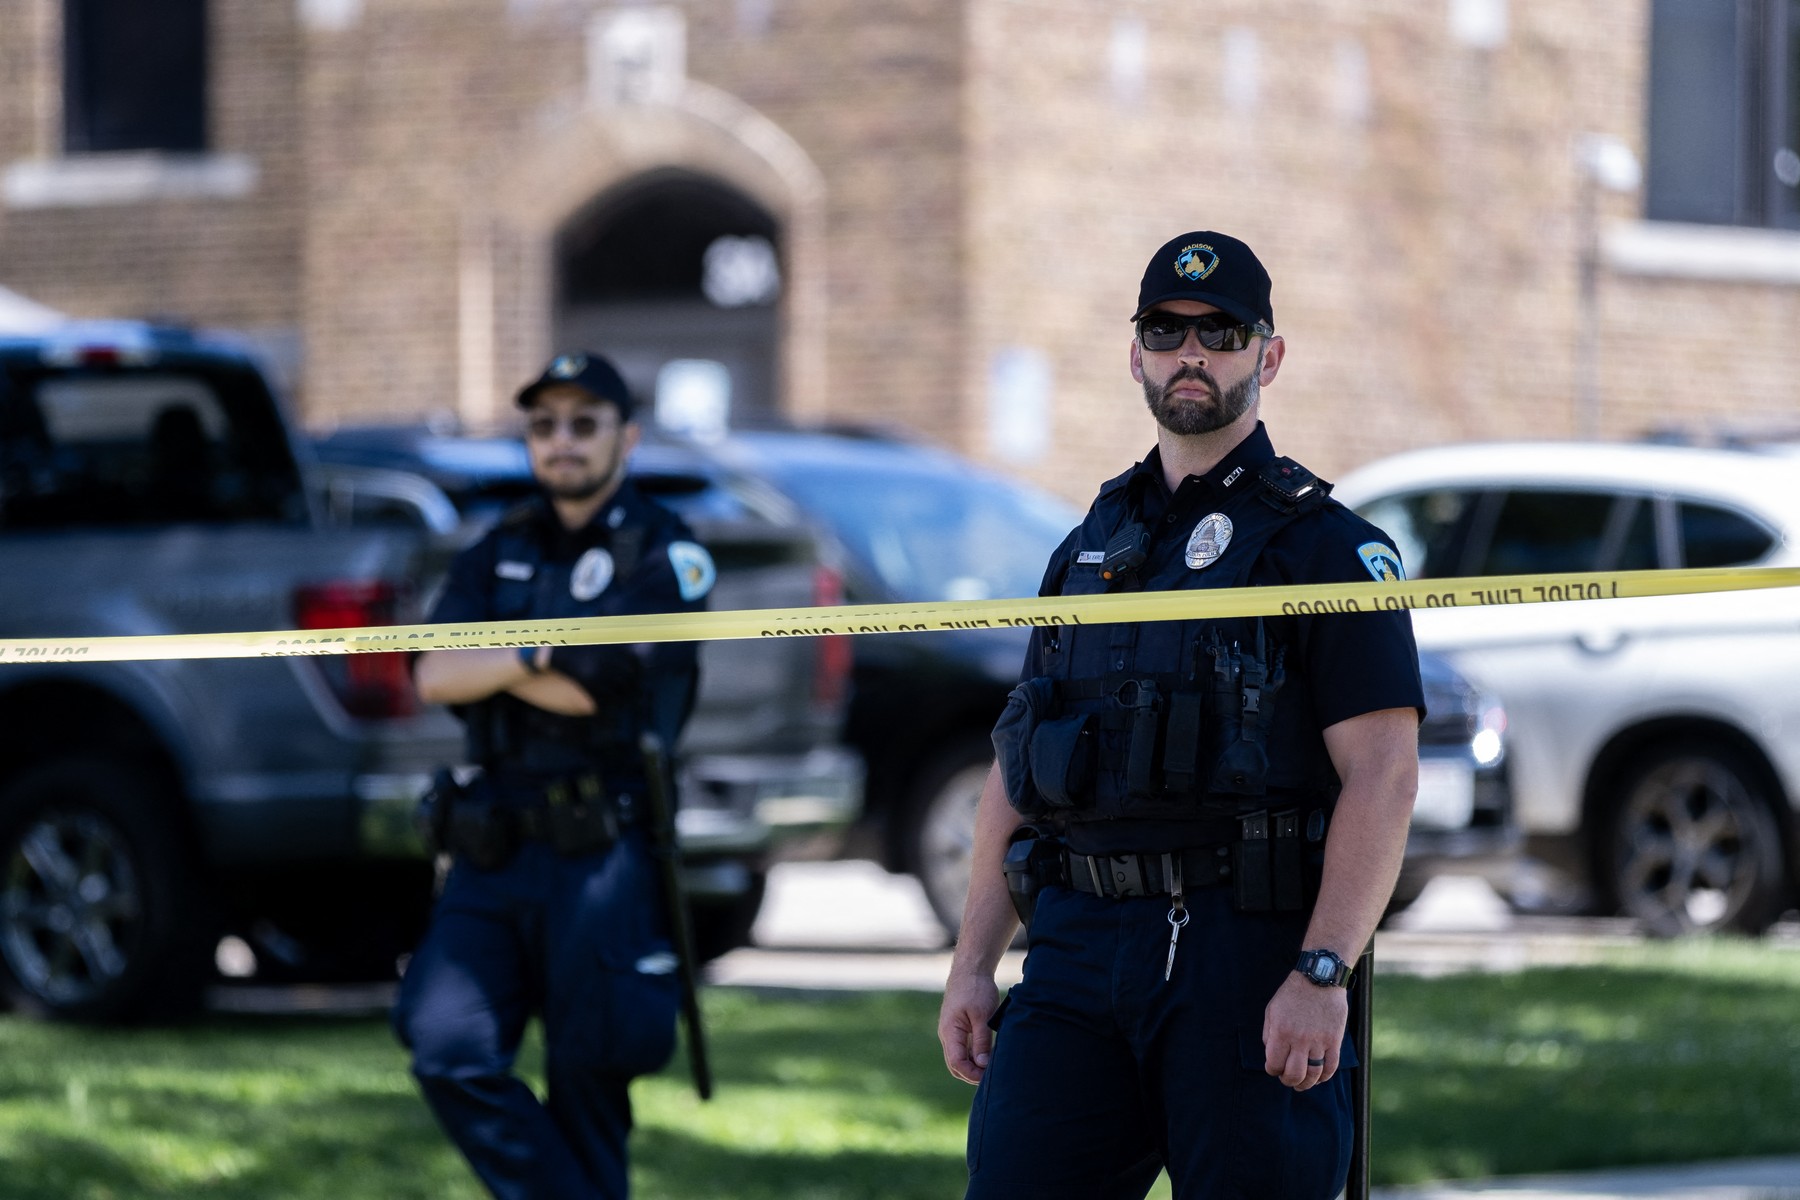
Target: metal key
(1178,915)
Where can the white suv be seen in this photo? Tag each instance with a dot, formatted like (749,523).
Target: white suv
(1654,743)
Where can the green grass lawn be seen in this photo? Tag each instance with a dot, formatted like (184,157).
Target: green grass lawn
(1672,1052)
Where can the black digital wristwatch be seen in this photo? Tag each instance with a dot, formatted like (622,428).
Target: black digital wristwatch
(1324,968)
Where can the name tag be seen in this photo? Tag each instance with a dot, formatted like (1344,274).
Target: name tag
(1090,557)
(514,570)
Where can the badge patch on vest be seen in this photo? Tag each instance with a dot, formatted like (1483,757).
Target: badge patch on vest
(694,570)
(516,571)
(593,571)
(1208,541)
(1382,562)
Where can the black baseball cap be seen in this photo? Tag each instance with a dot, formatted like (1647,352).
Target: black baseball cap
(1210,267)
(592,373)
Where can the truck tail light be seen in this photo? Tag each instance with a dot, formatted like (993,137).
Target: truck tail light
(831,665)
(368,685)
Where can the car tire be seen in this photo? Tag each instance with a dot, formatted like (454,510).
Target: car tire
(938,834)
(102,917)
(1691,845)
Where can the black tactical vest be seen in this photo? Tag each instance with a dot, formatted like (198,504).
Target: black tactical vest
(507,735)
(1170,720)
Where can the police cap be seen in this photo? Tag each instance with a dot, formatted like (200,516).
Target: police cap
(592,373)
(1213,268)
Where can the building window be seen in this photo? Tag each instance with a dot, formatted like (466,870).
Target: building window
(134,75)
(1724,136)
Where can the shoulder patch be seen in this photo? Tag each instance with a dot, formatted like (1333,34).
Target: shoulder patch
(1382,562)
(694,570)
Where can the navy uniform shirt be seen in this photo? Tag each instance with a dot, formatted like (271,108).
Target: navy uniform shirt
(1355,663)
(635,556)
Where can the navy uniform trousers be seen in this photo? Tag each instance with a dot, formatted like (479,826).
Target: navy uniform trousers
(579,939)
(1102,1073)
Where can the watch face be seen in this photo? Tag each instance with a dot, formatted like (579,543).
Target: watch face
(1323,969)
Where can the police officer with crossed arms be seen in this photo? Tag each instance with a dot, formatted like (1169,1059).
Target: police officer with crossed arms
(1203,818)
(551,905)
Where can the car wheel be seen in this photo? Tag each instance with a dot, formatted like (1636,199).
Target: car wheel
(101,917)
(940,826)
(1692,845)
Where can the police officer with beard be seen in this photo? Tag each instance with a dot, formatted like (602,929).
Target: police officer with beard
(551,905)
(1202,820)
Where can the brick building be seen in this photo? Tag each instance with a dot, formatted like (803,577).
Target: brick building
(934,212)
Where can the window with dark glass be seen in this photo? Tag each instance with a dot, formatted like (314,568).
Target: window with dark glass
(134,75)
(1719,537)
(1724,112)
(1634,548)
(1542,532)
(1429,529)
(106,448)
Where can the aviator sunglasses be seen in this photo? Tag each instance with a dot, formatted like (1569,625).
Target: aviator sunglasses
(581,427)
(1162,331)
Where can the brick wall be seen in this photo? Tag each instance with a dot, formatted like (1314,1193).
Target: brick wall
(1421,229)
(210,261)
(956,180)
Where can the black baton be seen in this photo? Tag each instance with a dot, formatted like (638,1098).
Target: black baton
(668,865)
(1357,1188)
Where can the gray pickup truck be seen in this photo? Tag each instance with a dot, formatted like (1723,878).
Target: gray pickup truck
(150,483)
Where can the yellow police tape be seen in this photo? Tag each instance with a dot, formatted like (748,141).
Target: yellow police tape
(911,618)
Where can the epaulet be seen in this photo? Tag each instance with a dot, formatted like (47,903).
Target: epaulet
(518,516)
(1288,487)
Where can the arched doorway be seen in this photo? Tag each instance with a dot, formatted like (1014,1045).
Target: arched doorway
(677,278)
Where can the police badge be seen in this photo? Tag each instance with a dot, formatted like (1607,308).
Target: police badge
(1208,541)
(593,571)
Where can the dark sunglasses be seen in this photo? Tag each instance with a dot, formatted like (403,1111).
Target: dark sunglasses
(581,427)
(1217,331)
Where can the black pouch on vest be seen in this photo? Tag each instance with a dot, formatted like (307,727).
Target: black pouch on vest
(1062,759)
(1026,705)
(1252,885)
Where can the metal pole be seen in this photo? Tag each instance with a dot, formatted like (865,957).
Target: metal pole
(668,864)
(1361,991)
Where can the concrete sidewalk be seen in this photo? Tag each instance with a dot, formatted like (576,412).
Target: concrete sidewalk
(1738,1179)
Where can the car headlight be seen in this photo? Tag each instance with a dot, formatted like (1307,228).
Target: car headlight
(1488,744)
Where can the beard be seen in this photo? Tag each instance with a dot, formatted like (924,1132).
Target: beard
(1190,417)
(587,486)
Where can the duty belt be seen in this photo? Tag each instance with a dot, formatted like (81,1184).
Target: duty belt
(1120,876)
(485,823)
(579,800)
(1265,864)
